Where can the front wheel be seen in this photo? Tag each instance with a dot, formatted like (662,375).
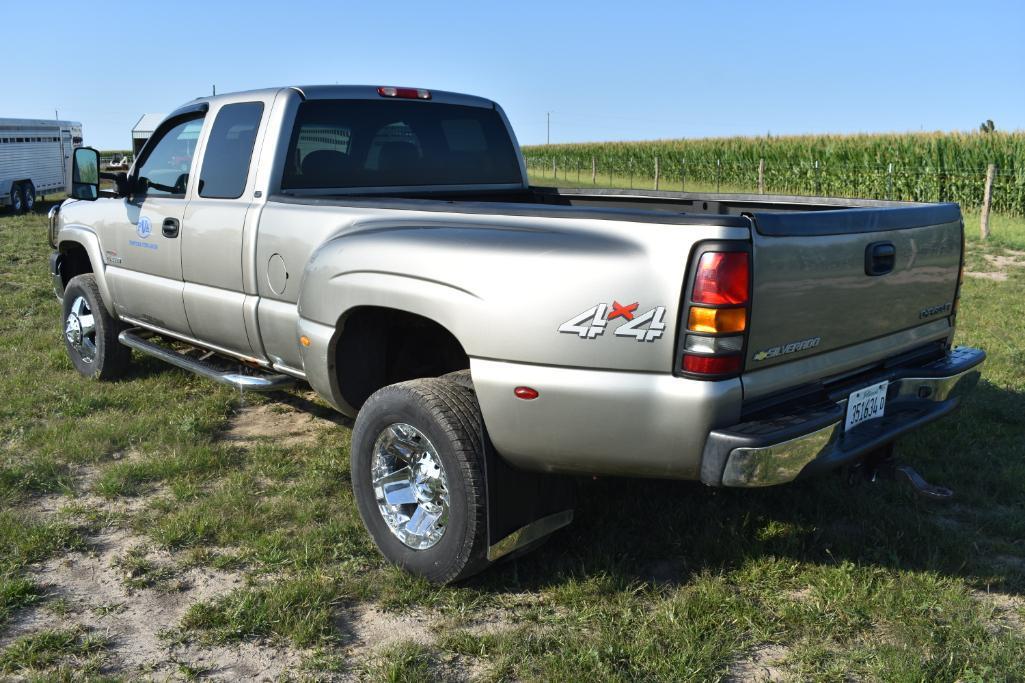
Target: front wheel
(418,477)
(90,333)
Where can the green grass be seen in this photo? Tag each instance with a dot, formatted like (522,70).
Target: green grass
(654,580)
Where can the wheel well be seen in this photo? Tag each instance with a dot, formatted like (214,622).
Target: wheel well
(381,346)
(74,260)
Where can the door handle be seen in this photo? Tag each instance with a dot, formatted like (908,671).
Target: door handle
(880,257)
(170,227)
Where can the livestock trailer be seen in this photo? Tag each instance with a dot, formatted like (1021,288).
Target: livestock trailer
(35,159)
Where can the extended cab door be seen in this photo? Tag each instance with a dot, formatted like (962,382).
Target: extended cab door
(146,276)
(215,225)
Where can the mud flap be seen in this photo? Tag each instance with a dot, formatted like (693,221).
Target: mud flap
(523,507)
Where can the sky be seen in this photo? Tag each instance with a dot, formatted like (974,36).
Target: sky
(603,70)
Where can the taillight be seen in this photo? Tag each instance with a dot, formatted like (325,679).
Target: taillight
(722,278)
(717,316)
(404,93)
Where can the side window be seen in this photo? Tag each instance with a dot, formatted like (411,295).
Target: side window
(229,151)
(165,170)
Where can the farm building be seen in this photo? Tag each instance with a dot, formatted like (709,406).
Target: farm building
(143,129)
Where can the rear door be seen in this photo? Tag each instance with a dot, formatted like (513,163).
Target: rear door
(824,280)
(214,226)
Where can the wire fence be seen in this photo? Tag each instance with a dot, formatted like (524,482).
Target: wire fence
(966,186)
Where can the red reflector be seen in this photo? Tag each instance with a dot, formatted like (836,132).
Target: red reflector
(406,93)
(526,393)
(722,278)
(711,365)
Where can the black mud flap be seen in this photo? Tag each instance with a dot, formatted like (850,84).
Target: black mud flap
(523,507)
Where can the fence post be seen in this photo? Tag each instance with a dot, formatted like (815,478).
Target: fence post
(631,174)
(817,184)
(718,174)
(683,174)
(594,172)
(889,181)
(761,176)
(987,200)
(555,171)
(656,173)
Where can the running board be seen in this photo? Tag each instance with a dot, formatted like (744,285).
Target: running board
(259,382)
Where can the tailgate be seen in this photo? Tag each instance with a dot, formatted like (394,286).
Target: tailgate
(824,280)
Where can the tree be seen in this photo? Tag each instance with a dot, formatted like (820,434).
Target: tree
(987,126)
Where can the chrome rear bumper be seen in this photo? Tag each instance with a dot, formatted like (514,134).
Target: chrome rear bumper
(776,450)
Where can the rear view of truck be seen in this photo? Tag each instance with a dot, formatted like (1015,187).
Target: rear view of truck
(842,340)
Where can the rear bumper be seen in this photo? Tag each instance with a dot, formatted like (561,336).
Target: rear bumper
(780,448)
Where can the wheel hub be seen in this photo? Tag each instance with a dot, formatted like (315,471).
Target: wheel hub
(410,486)
(80,330)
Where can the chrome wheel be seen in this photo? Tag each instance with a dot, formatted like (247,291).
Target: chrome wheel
(80,329)
(410,485)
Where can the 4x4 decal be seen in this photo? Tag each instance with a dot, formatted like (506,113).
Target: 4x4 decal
(591,324)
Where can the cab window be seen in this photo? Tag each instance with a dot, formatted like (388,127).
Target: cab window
(165,170)
(229,151)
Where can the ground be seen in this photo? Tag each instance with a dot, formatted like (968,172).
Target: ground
(161,527)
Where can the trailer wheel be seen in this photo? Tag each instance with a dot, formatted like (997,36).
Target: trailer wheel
(17,200)
(418,478)
(28,191)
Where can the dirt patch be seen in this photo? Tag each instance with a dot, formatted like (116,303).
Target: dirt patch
(92,589)
(998,276)
(279,423)
(761,664)
(1009,611)
(1004,261)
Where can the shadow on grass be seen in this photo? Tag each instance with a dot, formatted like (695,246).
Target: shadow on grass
(666,532)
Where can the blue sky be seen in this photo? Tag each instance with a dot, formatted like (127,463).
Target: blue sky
(606,71)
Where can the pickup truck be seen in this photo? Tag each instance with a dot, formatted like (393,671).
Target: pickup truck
(383,245)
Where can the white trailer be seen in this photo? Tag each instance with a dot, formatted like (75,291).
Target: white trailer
(35,159)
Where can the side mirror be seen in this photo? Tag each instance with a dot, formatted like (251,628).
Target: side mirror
(85,174)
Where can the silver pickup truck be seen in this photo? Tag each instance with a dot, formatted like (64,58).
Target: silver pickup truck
(384,246)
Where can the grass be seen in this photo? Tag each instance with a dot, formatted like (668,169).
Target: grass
(654,581)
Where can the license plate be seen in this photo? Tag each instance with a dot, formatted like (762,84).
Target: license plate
(866,404)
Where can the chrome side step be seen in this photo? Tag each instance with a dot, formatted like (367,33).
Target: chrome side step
(263,381)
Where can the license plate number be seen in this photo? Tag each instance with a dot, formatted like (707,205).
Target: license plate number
(866,404)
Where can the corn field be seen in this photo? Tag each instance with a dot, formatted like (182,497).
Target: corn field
(912,166)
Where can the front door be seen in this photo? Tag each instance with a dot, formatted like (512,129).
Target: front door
(147,277)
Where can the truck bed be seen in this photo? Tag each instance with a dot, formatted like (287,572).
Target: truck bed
(651,206)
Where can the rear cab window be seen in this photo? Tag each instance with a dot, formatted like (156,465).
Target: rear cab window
(356,143)
(229,151)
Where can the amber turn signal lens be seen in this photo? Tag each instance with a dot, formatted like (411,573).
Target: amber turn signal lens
(717,320)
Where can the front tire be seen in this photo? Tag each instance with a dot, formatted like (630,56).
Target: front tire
(90,333)
(418,478)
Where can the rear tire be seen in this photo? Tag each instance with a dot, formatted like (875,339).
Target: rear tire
(17,200)
(438,422)
(90,333)
(28,191)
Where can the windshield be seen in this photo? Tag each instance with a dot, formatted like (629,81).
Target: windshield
(392,143)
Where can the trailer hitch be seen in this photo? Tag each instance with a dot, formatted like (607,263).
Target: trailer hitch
(883,465)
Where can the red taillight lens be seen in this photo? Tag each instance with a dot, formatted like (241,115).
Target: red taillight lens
(712,365)
(405,93)
(723,278)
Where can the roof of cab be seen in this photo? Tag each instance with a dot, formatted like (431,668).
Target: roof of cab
(351,92)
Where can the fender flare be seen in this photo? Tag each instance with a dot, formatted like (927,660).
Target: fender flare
(87,239)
